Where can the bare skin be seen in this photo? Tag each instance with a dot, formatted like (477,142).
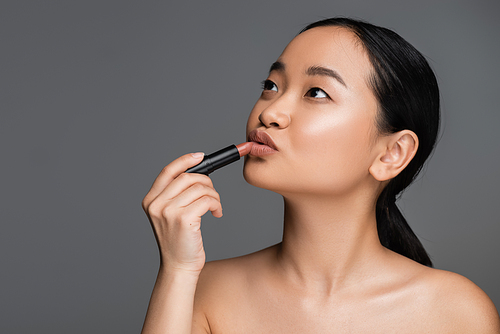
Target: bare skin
(253,294)
(330,274)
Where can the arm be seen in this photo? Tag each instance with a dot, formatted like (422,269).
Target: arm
(171,305)
(174,206)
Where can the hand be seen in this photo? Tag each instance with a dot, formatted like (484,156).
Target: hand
(174,206)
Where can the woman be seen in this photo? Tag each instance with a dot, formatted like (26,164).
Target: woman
(349,113)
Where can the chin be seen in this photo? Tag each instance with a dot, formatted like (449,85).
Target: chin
(278,181)
(258,175)
(254,177)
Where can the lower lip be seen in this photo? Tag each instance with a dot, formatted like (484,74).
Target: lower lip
(260,150)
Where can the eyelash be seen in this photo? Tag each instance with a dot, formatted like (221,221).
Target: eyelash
(269,85)
(265,84)
(319,89)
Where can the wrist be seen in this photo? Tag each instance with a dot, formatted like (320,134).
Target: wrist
(179,272)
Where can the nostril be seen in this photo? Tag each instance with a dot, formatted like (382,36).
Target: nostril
(275,124)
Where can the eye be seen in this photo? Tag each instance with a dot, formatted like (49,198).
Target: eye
(269,85)
(317,93)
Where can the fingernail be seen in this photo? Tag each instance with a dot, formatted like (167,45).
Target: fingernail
(197,155)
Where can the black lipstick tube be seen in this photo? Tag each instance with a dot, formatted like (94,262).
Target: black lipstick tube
(216,160)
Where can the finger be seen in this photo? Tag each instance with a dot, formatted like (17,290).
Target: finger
(176,187)
(169,173)
(192,194)
(202,205)
(184,182)
(167,207)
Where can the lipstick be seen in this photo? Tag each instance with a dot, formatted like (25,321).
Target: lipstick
(221,158)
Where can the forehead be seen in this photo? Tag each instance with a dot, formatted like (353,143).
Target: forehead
(332,47)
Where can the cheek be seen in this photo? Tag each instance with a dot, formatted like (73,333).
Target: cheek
(337,136)
(336,148)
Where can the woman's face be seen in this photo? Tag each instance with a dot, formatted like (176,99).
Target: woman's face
(320,113)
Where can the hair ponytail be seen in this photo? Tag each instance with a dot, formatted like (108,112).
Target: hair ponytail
(408,98)
(395,233)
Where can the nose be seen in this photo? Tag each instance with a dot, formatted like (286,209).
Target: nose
(275,115)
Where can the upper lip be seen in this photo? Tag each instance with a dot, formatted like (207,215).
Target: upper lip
(262,138)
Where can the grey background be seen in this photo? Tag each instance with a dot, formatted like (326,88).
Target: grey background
(97,96)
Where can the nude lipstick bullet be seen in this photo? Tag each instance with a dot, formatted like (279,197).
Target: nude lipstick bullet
(221,158)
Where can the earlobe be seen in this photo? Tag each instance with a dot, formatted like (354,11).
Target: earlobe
(398,149)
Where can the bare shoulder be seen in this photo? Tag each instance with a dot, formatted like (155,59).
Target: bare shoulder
(224,286)
(234,272)
(460,304)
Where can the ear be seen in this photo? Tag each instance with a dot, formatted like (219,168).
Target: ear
(396,152)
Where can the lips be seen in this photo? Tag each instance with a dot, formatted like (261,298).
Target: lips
(262,138)
(264,144)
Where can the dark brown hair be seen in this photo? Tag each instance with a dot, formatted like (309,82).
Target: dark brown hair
(408,98)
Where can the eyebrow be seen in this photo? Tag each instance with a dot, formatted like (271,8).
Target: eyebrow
(323,71)
(277,66)
(313,70)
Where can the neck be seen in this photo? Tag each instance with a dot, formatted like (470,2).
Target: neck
(329,242)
